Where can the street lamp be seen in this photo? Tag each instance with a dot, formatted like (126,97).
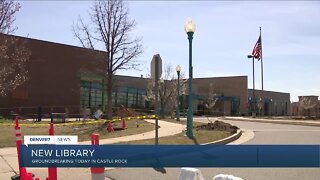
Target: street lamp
(178,69)
(271,107)
(250,105)
(161,95)
(260,106)
(254,91)
(190,28)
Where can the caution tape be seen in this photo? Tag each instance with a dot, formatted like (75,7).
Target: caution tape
(80,122)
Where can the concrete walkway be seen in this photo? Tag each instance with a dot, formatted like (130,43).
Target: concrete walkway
(276,121)
(166,129)
(9,162)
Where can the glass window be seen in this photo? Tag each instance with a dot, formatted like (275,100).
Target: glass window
(91,94)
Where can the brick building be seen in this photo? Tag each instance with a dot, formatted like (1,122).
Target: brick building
(306,106)
(64,78)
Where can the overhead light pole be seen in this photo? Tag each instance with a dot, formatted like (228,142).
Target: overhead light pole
(190,28)
(178,69)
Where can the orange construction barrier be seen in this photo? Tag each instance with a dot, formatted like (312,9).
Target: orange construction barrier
(96,173)
(18,140)
(124,124)
(110,127)
(29,176)
(23,174)
(52,171)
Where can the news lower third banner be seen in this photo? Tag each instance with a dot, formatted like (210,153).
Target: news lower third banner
(170,156)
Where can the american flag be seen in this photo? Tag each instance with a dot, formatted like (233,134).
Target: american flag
(257,50)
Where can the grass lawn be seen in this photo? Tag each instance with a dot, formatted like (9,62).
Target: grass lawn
(201,137)
(185,122)
(84,131)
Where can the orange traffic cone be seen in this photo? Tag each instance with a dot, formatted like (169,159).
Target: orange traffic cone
(124,124)
(110,128)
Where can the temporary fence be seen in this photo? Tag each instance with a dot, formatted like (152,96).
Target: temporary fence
(96,173)
(71,123)
(70,111)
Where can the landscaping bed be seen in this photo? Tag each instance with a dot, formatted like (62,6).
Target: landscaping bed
(218,126)
(203,133)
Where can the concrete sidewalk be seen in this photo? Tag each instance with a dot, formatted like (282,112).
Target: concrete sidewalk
(276,121)
(166,129)
(9,159)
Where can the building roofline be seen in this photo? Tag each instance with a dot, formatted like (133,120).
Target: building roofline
(221,77)
(49,42)
(268,91)
(308,96)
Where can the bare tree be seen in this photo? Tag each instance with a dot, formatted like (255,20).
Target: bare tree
(168,90)
(109,30)
(8,8)
(13,53)
(211,100)
(212,97)
(306,104)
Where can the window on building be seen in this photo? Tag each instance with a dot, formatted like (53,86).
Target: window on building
(91,94)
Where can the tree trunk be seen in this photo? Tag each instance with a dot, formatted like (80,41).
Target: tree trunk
(162,110)
(109,97)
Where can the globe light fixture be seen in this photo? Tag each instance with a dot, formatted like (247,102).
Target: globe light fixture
(189,26)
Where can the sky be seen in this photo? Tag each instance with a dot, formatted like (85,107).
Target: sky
(226,32)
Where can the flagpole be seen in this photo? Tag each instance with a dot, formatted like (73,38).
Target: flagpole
(262,113)
(254,91)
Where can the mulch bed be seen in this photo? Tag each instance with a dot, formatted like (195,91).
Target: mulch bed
(218,126)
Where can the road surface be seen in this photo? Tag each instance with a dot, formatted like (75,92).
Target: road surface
(264,133)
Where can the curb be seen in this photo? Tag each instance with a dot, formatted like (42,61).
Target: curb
(276,122)
(227,139)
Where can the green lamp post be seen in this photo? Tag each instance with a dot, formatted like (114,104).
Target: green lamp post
(271,107)
(190,28)
(161,97)
(178,69)
(254,91)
